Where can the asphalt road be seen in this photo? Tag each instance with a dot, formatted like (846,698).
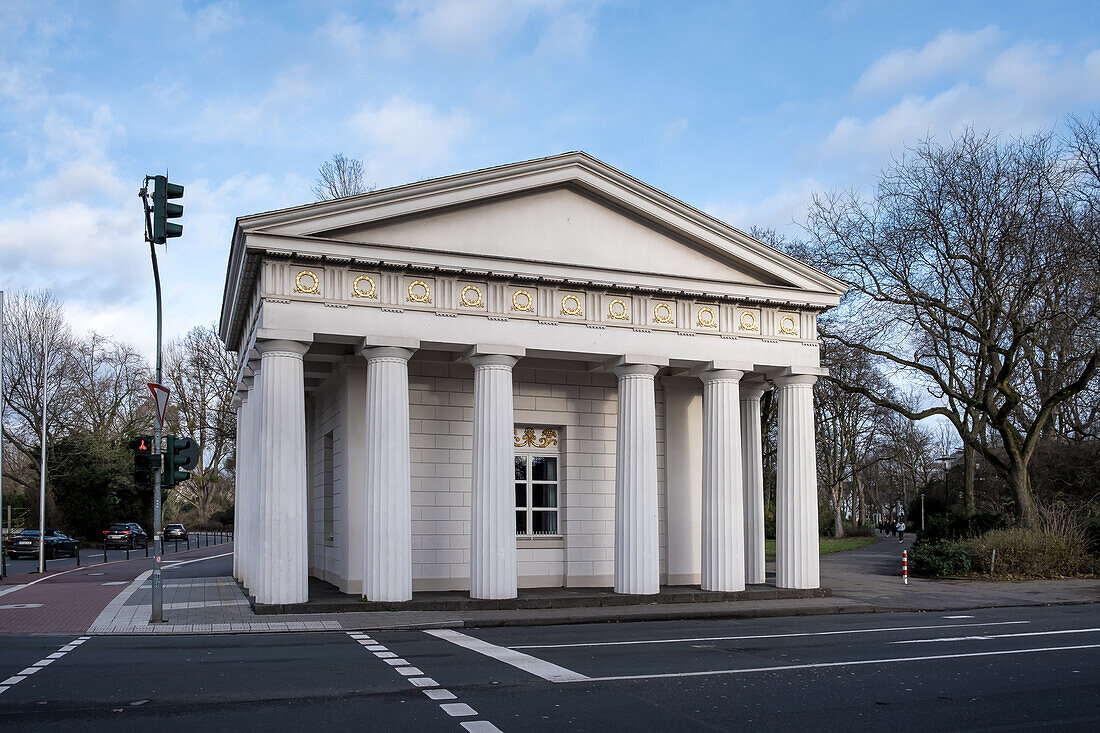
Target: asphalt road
(1000,669)
(89,555)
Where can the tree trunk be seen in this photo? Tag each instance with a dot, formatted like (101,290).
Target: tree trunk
(969,464)
(838,520)
(1026,514)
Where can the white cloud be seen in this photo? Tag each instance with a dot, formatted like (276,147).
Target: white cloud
(216,18)
(261,118)
(950,51)
(405,137)
(781,210)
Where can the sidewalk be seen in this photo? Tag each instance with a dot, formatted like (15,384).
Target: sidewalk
(867,580)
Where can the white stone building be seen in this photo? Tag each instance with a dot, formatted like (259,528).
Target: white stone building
(541,374)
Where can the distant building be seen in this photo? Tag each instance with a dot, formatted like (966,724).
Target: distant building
(542,374)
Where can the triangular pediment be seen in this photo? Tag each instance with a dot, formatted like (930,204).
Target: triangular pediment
(564,225)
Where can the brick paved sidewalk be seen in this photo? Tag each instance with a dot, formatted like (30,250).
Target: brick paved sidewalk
(70,600)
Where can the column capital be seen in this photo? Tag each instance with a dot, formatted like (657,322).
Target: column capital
(483,361)
(399,342)
(793,380)
(282,347)
(752,390)
(376,353)
(623,371)
(721,375)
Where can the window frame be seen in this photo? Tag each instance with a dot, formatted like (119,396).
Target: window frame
(530,483)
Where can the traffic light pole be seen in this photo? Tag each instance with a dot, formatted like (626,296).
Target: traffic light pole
(157,615)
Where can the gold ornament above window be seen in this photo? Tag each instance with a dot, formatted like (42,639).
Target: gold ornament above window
(571,306)
(662,313)
(522,301)
(312,285)
(471,297)
(419,292)
(747,322)
(357,289)
(617,309)
(706,318)
(787,326)
(548,438)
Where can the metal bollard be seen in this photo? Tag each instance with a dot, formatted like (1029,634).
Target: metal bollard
(127,552)
(905,566)
(104,552)
(146,548)
(78,556)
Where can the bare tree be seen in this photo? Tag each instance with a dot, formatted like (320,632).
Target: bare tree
(202,377)
(955,267)
(338,177)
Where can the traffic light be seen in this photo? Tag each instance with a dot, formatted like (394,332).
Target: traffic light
(181,455)
(163,211)
(145,460)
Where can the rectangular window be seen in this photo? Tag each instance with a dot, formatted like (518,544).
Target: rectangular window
(329,497)
(537,494)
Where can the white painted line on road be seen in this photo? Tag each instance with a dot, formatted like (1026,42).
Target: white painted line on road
(822,665)
(408,671)
(997,636)
(385,655)
(15,606)
(399,662)
(538,667)
(958,617)
(198,559)
(14,588)
(39,665)
(440,694)
(423,682)
(457,709)
(481,726)
(375,648)
(761,636)
(115,582)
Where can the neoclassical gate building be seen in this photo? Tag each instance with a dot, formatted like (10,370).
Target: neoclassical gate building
(541,374)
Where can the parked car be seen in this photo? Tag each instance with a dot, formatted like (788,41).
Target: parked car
(125,534)
(57,544)
(174,532)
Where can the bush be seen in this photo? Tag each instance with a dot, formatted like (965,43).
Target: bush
(939,559)
(1030,553)
(958,527)
(856,530)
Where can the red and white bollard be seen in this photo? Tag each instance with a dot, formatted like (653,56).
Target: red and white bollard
(905,566)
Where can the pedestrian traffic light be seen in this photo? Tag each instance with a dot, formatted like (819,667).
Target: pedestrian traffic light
(181,455)
(163,211)
(146,460)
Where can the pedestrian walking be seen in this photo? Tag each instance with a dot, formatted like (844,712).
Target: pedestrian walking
(901,530)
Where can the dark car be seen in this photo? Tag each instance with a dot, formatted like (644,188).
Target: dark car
(174,532)
(57,544)
(125,534)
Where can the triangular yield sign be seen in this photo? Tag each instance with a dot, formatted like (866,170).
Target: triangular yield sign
(160,395)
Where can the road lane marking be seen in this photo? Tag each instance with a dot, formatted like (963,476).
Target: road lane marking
(480,726)
(958,617)
(538,667)
(457,709)
(408,671)
(823,665)
(440,694)
(997,636)
(14,606)
(762,636)
(198,559)
(41,664)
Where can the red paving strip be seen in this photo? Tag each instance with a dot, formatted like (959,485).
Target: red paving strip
(71,601)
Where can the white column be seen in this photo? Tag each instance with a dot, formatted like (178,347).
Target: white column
(255,510)
(753,482)
(723,526)
(796,539)
(493,504)
(282,453)
(240,402)
(387,559)
(637,551)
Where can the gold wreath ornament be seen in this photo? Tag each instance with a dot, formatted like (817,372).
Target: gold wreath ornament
(617,309)
(424,297)
(358,292)
(528,304)
(747,322)
(706,318)
(472,302)
(549,437)
(787,326)
(662,313)
(314,288)
(571,310)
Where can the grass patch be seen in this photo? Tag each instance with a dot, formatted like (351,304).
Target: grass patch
(827,544)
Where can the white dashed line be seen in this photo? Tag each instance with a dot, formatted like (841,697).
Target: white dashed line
(397,662)
(458,709)
(440,694)
(423,682)
(41,664)
(480,726)
(408,671)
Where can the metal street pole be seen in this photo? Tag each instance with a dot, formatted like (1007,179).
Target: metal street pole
(157,614)
(42,459)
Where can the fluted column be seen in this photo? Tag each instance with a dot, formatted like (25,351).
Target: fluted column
(637,542)
(753,482)
(723,566)
(796,538)
(493,504)
(282,433)
(387,566)
(240,402)
(257,506)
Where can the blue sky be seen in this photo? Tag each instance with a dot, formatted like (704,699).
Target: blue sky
(742,109)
